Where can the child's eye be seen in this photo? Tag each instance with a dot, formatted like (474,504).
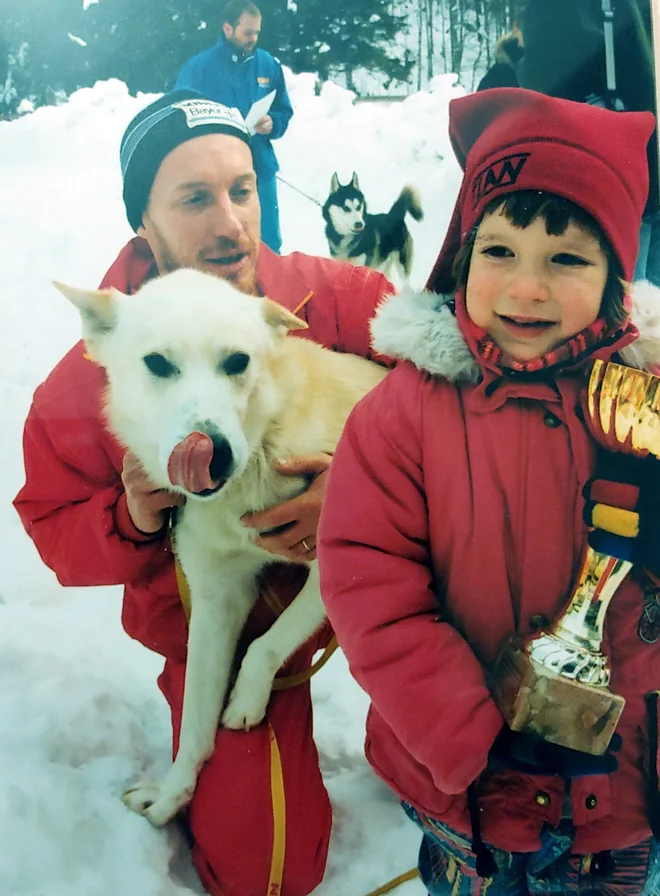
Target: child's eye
(570,260)
(497,252)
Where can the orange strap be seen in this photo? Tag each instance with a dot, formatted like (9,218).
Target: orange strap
(303,303)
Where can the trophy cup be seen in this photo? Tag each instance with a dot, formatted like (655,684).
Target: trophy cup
(555,684)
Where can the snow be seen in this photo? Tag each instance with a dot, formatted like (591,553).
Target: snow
(80,714)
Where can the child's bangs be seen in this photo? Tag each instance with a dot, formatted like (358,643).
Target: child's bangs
(525,206)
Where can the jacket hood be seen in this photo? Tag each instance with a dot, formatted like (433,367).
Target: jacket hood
(421,327)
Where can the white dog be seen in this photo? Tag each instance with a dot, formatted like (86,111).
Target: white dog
(204,388)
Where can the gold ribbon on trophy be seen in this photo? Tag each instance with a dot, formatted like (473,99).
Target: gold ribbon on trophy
(555,684)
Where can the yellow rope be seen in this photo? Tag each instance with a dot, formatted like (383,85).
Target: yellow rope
(278,802)
(396,882)
(282,683)
(277,793)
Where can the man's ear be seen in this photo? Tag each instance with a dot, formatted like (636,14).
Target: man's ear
(97,308)
(280,319)
(227,29)
(334,183)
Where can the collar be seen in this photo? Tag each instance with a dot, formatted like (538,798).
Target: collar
(231,53)
(595,341)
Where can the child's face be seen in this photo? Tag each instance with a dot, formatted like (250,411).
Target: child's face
(530,291)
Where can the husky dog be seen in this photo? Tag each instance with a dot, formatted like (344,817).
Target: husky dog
(382,242)
(206,388)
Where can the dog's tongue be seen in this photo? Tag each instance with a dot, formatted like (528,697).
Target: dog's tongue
(190,462)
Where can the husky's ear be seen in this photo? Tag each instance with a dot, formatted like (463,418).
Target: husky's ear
(280,319)
(334,183)
(97,309)
(354,181)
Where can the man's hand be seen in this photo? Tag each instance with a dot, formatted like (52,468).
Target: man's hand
(264,125)
(298,518)
(147,504)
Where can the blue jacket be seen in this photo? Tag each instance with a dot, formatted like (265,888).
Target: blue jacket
(224,75)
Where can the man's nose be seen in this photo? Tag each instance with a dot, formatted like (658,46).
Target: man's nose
(226,220)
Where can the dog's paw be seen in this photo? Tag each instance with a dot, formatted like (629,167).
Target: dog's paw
(247,705)
(151,800)
(141,797)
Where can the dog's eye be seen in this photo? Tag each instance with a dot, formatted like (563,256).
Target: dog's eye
(236,363)
(160,366)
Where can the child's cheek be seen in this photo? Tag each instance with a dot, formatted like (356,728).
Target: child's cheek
(480,297)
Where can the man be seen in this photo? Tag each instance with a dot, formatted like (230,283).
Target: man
(189,191)
(236,74)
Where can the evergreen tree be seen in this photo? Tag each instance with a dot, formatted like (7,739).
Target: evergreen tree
(345,35)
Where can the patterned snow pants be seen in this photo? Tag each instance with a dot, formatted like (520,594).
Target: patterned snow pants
(447,866)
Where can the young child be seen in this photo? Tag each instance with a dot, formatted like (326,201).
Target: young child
(454,514)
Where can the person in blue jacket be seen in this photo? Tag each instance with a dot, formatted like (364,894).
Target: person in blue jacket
(234,72)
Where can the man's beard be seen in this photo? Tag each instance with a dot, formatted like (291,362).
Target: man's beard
(241,50)
(167,260)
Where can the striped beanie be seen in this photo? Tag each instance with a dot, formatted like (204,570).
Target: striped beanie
(158,129)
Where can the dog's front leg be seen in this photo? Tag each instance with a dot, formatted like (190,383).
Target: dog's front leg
(221,599)
(250,695)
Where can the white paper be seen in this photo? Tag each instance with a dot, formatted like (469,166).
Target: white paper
(258,110)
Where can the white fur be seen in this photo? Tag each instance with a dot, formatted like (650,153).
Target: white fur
(419,327)
(293,399)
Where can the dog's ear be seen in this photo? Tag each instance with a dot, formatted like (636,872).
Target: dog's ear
(280,319)
(354,181)
(97,309)
(334,183)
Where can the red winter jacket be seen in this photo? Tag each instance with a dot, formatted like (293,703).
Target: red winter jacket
(73,504)
(453,517)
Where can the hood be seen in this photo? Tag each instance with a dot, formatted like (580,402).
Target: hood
(422,327)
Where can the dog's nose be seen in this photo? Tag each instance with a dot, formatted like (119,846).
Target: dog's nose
(222,460)
(359,225)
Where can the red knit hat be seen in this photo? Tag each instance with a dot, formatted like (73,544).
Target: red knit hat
(508,139)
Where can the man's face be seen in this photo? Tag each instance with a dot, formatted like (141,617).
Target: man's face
(204,211)
(245,35)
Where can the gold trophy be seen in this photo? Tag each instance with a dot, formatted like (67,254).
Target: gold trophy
(555,683)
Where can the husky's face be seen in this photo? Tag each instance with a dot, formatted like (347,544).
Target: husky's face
(188,366)
(345,207)
(347,217)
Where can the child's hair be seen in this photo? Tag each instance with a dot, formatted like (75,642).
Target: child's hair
(521,208)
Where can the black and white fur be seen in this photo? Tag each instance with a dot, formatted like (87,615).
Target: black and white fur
(383,241)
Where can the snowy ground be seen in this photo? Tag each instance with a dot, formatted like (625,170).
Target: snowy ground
(80,714)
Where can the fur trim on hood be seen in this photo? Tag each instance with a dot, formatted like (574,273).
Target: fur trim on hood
(421,327)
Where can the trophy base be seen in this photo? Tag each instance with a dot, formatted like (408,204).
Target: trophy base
(565,712)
